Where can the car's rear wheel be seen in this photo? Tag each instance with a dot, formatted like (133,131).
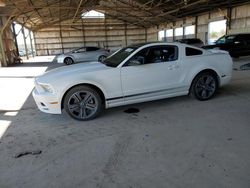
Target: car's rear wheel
(68,61)
(102,58)
(83,103)
(204,86)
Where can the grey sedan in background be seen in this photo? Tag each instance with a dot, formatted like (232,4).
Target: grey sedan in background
(83,54)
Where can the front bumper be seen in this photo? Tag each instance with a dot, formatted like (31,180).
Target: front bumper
(47,102)
(60,59)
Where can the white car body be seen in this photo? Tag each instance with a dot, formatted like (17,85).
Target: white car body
(124,85)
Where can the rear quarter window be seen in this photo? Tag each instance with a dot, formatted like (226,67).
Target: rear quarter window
(192,51)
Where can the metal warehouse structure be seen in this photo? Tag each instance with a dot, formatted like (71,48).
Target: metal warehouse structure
(59,26)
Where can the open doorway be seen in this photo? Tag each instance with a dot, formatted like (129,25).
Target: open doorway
(216,29)
(161,35)
(25,41)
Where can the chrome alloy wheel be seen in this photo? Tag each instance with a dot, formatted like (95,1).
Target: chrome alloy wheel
(205,87)
(82,105)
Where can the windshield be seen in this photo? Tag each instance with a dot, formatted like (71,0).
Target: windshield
(115,59)
(225,39)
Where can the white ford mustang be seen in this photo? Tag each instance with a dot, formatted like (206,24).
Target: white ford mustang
(134,74)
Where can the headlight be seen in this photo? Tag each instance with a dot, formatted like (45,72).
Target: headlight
(46,87)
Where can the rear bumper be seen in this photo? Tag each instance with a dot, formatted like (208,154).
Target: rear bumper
(47,102)
(225,80)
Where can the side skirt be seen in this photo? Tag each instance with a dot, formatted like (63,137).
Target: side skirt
(149,96)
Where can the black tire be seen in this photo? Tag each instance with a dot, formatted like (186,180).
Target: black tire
(102,58)
(83,103)
(204,86)
(68,61)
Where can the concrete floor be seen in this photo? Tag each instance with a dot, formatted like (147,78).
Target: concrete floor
(178,142)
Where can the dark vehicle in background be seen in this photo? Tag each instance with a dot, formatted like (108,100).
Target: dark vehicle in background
(192,41)
(236,44)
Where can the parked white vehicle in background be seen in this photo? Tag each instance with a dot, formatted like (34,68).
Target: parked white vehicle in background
(83,54)
(134,74)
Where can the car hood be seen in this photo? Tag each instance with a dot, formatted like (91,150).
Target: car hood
(71,70)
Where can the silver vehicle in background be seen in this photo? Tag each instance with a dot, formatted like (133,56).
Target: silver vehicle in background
(83,54)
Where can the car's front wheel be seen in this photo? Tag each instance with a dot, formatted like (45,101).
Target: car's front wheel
(204,86)
(68,61)
(83,103)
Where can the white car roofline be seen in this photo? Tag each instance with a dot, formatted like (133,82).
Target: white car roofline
(160,44)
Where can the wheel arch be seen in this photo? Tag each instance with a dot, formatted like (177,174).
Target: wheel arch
(69,56)
(207,70)
(100,92)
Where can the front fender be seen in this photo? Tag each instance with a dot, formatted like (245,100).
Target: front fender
(87,82)
(70,56)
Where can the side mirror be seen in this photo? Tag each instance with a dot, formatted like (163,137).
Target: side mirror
(134,63)
(75,51)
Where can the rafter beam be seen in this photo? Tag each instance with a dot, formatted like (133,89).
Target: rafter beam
(123,20)
(77,10)
(36,10)
(131,15)
(21,11)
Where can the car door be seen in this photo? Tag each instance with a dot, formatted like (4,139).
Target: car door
(80,54)
(248,44)
(153,71)
(242,44)
(92,53)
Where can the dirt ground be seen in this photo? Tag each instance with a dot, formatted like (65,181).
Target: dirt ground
(178,142)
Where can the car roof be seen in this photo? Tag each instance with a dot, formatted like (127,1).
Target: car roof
(149,44)
(138,45)
(89,47)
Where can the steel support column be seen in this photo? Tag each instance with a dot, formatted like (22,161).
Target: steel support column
(125,34)
(25,44)
(4,63)
(31,45)
(14,35)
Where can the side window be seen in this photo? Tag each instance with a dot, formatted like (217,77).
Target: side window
(169,53)
(89,49)
(138,58)
(192,51)
(156,54)
(81,50)
(221,40)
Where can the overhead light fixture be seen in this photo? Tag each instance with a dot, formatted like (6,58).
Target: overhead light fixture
(2,3)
